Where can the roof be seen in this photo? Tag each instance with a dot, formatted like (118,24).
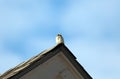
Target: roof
(25,67)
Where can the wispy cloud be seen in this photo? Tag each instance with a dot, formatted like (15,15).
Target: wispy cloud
(90,28)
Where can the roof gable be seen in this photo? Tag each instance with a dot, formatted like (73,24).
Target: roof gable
(34,62)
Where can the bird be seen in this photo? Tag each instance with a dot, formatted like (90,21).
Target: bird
(59,39)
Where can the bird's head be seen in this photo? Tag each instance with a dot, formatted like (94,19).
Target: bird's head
(59,35)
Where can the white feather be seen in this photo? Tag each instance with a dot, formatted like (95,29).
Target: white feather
(59,39)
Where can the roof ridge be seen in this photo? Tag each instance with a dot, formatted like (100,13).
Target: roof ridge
(25,64)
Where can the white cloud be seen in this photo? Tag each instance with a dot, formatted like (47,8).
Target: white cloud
(90,29)
(91,17)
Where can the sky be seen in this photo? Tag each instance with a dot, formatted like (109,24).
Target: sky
(91,30)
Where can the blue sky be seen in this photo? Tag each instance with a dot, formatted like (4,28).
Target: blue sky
(91,29)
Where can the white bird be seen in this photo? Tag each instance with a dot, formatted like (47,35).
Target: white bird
(59,39)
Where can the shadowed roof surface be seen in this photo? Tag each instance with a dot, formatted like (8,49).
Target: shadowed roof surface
(27,66)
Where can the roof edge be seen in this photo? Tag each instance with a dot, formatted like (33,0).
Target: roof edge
(27,66)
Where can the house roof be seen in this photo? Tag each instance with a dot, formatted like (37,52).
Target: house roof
(25,67)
